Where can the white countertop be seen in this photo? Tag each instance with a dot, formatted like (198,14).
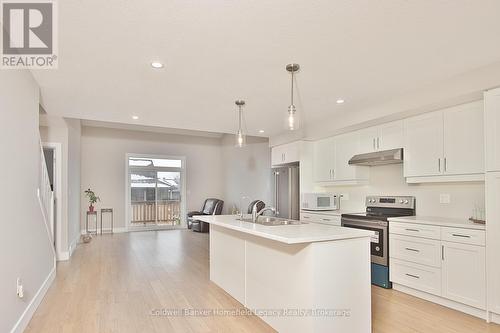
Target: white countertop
(439,221)
(289,234)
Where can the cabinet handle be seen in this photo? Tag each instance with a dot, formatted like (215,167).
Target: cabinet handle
(410,249)
(445,164)
(442,252)
(463,236)
(374,144)
(306,217)
(413,276)
(378,143)
(416,230)
(439,164)
(333,173)
(326,219)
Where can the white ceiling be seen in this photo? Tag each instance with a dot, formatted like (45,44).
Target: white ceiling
(216,51)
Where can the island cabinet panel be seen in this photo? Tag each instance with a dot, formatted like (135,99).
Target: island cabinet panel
(317,286)
(275,281)
(227,261)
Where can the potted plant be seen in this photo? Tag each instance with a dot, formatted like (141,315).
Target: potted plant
(92,198)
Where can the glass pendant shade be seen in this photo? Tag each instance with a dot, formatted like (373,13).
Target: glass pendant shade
(240,137)
(292,122)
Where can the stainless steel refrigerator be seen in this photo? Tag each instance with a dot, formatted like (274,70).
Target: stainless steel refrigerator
(286,192)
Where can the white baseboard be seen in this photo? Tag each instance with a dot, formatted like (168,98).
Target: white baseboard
(494,318)
(480,313)
(115,231)
(62,255)
(73,245)
(25,318)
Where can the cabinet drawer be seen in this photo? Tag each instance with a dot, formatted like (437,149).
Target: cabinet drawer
(420,277)
(321,218)
(416,230)
(418,250)
(464,236)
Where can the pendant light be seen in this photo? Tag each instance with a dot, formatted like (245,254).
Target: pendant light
(240,136)
(292,121)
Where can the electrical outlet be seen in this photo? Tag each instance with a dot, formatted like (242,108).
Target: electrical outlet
(444,198)
(19,288)
(344,196)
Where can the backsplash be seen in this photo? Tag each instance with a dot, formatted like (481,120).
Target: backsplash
(389,180)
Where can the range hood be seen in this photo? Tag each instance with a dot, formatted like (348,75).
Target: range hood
(392,156)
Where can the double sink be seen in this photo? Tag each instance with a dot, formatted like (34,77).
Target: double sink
(272,221)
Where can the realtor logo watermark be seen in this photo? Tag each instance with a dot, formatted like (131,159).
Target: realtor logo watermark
(29,38)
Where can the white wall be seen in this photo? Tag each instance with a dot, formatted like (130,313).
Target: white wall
(74,165)
(389,180)
(247,172)
(103,165)
(25,249)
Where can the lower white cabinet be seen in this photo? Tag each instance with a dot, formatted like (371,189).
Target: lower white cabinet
(322,218)
(421,277)
(464,274)
(442,261)
(493,237)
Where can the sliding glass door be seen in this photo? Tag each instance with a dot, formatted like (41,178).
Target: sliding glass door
(155,192)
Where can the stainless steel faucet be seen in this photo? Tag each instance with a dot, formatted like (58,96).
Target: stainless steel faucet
(255,214)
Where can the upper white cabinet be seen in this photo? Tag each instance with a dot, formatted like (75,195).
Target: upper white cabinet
(331,157)
(445,145)
(383,137)
(346,146)
(492,129)
(368,140)
(390,136)
(324,160)
(423,145)
(287,153)
(464,139)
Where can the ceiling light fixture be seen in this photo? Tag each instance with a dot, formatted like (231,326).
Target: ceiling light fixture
(240,136)
(292,119)
(340,101)
(156,64)
(135,117)
(261,131)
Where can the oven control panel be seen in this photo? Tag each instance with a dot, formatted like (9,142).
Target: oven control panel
(391,201)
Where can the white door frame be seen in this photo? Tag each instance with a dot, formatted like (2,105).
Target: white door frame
(57,147)
(183,224)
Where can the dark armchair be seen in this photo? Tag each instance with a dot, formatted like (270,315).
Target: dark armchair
(210,207)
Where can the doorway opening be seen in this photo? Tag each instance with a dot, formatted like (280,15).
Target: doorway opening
(52,152)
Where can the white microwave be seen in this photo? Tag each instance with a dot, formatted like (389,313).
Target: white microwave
(319,201)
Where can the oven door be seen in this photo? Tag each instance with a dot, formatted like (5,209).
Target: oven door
(379,241)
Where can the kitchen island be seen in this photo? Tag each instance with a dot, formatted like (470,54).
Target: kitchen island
(297,278)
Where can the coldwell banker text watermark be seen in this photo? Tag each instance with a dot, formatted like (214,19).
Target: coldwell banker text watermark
(29,36)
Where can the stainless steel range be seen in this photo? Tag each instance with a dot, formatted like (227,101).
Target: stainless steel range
(378,210)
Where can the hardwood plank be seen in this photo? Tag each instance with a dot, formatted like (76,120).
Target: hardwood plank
(113,284)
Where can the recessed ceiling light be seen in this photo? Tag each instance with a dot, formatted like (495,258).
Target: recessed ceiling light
(261,131)
(156,64)
(135,117)
(340,101)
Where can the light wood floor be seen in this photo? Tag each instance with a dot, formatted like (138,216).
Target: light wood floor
(113,284)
